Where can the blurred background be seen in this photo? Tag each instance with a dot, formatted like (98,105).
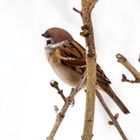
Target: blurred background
(27,100)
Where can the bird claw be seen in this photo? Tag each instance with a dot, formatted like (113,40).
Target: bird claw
(70,101)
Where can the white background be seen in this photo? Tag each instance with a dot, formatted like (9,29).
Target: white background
(27,100)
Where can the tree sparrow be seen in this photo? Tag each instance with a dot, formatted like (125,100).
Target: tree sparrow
(67,58)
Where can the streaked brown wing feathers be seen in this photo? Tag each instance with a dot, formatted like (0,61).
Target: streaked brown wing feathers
(101,77)
(73,55)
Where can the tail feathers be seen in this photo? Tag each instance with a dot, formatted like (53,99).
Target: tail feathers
(120,104)
(114,97)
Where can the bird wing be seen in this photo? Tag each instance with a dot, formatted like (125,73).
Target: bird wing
(73,55)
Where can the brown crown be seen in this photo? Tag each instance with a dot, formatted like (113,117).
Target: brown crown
(57,34)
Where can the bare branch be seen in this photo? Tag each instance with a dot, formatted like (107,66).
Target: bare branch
(60,116)
(92,4)
(76,10)
(54,84)
(87,32)
(113,118)
(127,65)
(125,79)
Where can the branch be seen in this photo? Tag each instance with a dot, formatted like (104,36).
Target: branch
(54,84)
(60,116)
(92,4)
(76,10)
(87,32)
(113,118)
(121,59)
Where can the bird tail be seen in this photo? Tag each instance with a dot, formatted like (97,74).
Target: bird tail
(115,98)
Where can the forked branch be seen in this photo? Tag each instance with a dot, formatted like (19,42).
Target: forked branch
(60,116)
(113,119)
(121,59)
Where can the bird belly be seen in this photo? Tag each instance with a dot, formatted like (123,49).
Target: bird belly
(66,74)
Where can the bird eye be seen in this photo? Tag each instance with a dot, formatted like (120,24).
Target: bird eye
(49,41)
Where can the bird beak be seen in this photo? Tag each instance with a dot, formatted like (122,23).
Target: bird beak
(43,35)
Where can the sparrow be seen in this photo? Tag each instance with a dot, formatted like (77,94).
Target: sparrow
(67,58)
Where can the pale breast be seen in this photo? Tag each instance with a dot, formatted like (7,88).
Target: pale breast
(66,74)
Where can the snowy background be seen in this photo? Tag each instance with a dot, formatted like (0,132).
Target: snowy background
(27,100)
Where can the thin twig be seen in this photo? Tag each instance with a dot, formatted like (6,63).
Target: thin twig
(76,10)
(121,59)
(114,120)
(54,84)
(125,79)
(60,116)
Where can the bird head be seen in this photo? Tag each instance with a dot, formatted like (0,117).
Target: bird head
(56,35)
